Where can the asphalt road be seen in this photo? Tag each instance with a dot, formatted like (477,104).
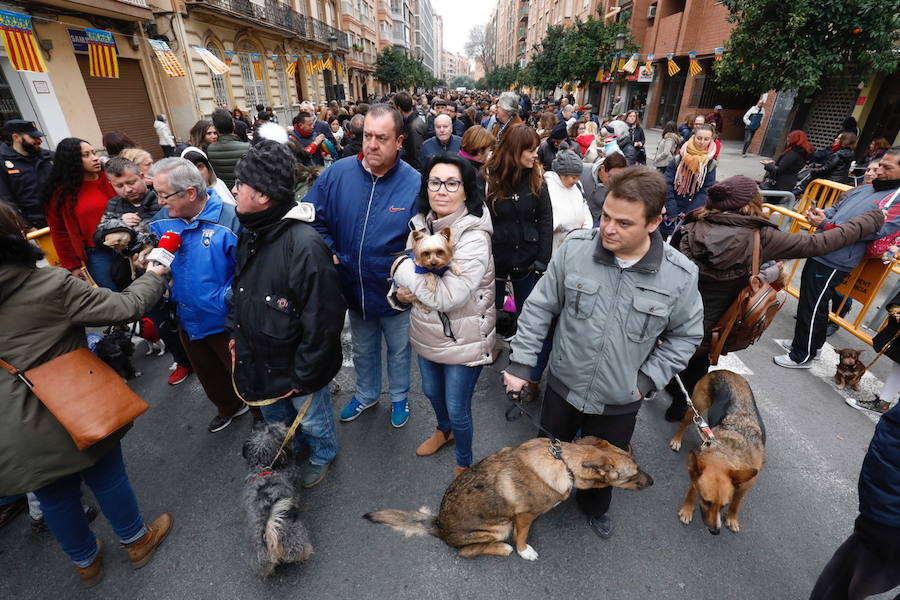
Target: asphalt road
(800,510)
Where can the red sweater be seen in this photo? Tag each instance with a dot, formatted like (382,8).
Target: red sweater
(72,231)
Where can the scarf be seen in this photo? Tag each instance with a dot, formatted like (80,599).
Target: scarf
(264,218)
(691,172)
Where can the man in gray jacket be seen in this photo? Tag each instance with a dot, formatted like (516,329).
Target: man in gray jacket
(628,317)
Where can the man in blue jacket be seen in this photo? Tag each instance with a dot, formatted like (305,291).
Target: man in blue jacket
(201,276)
(363,207)
(824,273)
(868,562)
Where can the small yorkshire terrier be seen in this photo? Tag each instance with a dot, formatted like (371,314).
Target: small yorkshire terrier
(849,369)
(433,256)
(277,535)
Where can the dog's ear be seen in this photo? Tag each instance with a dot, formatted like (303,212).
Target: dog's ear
(445,233)
(417,235)
(602,466)
(693,464)
(739,476)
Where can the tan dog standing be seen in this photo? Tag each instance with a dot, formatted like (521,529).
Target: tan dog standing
(509,489)
(724,471)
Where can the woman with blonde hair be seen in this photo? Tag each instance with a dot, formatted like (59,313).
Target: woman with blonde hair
(142,159)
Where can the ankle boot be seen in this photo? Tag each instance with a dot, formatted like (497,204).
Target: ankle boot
(141,551)
(457,471)
(92,574)
(438,440)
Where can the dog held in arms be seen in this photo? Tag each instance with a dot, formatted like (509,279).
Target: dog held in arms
(724,471)
(509,489)
(433,256)
(277,535)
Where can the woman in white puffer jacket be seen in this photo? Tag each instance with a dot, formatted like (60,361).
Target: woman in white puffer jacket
(570,210)
(451,326)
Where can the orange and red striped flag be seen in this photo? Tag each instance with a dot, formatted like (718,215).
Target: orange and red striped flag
(256,59)
(694,67)
(102,53)
(18,37)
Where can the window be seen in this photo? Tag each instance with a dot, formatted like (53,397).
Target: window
(219,85)
(253,76)
(282,82)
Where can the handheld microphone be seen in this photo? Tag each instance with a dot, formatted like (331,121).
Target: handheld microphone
(165,250)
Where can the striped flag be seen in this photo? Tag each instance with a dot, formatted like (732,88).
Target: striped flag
(167,58)
(719,52)
(632,63)
(18,38)
(694,67)
(673,66)
(292,67)
(229,57)
(212,61)
(648,65)
(329,64)
(102,53)
(256,59)
(309,64)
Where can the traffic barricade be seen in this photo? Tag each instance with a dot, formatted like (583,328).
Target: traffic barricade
(42,238)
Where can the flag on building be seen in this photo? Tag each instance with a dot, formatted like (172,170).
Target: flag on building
(256,60)
(167,58)
(212,61)
(102,53)
(694,67)
(18,38)
(648,65)
(328,64)
(673,66)
(719,52)
(292,66)
(309,64)
(229,57)
(631,64)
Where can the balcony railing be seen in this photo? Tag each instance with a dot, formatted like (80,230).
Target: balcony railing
(282,16)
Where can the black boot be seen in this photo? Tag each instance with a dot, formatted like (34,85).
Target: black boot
(676,410)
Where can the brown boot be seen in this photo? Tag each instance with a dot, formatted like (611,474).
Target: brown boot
(457,471)
(92,574)
(141,551)
(438,440)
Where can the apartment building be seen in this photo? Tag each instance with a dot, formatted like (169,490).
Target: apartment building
(359,20)
(424,33)
(438,45)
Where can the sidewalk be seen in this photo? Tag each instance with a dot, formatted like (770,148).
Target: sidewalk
(730,160)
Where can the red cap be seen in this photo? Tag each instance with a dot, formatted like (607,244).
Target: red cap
(169,241)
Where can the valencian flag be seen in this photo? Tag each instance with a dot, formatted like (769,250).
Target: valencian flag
(694,68)
(648,65)
(167,58)
(18,37)
(102,53)
(212,61)
(229,57)
(719,52)
(673,66)
(256,59)
(632,63)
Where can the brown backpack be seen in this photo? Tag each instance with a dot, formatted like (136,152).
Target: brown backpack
(749,315)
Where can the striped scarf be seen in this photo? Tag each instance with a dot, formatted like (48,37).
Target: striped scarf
(691,172)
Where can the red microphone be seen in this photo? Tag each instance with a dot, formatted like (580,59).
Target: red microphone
(165,250)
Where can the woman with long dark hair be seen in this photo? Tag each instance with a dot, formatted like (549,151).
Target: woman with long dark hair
(837,166)
(783,171)
(633,120)
(451,326)
(116,141)
(75,197)
(203,133)
(667,147)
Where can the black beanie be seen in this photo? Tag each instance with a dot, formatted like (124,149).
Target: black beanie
(559,131)
(268,168)
(732,194)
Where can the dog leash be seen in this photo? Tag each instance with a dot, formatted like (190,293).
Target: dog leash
(516,398)
(707,437)
(884,349)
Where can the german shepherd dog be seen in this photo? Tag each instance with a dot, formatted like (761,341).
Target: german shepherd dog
(723,472)
(510,489)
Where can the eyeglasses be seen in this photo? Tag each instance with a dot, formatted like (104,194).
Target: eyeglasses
(167,196)
(451,185)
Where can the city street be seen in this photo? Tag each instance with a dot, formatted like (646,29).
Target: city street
(800,510)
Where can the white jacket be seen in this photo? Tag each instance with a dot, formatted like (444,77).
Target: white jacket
(163,133)
(570,210)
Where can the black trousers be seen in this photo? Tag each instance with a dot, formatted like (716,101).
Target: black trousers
(867,563)
(697,367)
(817,285)
(563,420)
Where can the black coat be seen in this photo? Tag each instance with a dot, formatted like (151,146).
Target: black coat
(22,180)
(637,135)
(523,229)
(352,147)
(887,332)
(785,169)
(287,311)
(836,167)
(879,478)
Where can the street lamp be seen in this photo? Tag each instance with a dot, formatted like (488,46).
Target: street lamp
(620,41)
(332,40)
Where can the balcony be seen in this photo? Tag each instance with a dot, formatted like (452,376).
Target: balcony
(522,32)
(126,10)
(280,16)
(523,13)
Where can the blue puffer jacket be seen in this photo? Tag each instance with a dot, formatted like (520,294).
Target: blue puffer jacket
(204,265)
(879,479)
(364,219)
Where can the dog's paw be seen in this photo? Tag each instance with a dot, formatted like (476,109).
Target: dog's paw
(839,385)
(733,524)
(528,553)
(675,445)
(686,515)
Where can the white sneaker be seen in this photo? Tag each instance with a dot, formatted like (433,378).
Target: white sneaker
(786,344)
(785,361)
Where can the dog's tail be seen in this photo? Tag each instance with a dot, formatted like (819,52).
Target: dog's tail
(408,522)
(274,526)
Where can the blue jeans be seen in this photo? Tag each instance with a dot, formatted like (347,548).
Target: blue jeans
(316,429)
(99,265)
(61,503)
(450,389)
(367,336)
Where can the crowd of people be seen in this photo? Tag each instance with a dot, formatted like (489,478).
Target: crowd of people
(544,207)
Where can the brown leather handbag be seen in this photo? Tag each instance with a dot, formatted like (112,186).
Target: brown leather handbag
(85,395)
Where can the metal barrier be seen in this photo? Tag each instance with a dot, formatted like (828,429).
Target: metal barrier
(788,196)
(42,238)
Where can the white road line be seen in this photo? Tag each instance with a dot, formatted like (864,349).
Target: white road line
(824,368)
(732,363)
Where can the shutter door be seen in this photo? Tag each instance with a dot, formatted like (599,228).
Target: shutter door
(123,104)
(832,104)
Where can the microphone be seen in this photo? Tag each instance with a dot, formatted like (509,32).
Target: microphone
(165,250)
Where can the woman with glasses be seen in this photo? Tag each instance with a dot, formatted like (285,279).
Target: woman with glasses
(451,326)
(76,196)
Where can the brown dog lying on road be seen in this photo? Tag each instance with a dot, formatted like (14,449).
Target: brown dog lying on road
(512,487)
(723,472)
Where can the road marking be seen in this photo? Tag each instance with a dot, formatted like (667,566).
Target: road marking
(732,363)
(824,367)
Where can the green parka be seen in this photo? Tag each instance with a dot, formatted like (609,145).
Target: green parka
(43,313)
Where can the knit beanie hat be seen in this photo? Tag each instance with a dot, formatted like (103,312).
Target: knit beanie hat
(268,168)
(732,194)
(559,131)
(567,162)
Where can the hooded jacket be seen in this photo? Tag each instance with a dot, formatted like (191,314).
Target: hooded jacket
(570,211)
(203,265)
(364,220)
(22,181)
(43,313)
(287,309)
(466,300)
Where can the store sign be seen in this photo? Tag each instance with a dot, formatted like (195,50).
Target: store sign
(79,41)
